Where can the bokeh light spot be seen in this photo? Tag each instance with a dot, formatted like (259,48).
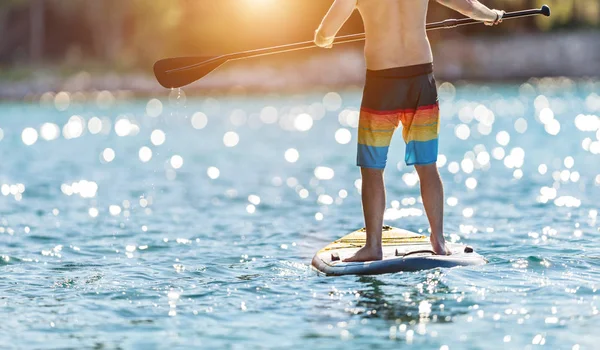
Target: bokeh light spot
(105,99)
(324,173)
(93,212)
(114,210)
(213,172)
(503,138)
(123,127)
(49,131)
(521,125)
(145,154)
(157,137)
(177,98)
(467,166)
(74,127)
(108,155)
(569,162)
(546,115)
(303,122)
(291,155)
(95,125)
(468,212)
(462,131)
(231,139)
(552,127)
(453,167)
(498,153)
(268,115)
(62,101)
(332,101)
(199,120)
(441,161)
(154,108)
(29,136)
(343,136)
(176,161)
(471,183)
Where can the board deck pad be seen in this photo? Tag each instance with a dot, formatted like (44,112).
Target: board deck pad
(402,251)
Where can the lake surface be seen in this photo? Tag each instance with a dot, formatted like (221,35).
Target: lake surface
(191,222)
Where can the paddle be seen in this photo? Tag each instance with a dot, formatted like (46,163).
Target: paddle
(181,71)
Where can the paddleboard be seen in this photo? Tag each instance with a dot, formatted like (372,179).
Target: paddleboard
(402,251)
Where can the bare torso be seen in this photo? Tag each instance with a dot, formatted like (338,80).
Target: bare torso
(396,35)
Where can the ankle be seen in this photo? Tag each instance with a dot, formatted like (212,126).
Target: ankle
(438,231)
(373,246)
(437,236)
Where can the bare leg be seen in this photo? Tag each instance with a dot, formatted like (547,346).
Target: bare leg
(373,201)
(432,191)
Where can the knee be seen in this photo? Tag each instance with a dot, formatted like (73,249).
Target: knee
(429,170)
(371,172)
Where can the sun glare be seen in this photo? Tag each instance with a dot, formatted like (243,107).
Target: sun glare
(260,2)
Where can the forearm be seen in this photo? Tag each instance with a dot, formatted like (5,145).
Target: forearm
(471,8)
(481,12)
(332,22)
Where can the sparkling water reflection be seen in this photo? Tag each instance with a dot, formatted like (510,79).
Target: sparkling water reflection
(190,222)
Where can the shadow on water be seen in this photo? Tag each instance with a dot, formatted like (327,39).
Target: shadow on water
(409,298)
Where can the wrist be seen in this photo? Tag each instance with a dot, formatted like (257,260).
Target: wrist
(322,40)
(497,16)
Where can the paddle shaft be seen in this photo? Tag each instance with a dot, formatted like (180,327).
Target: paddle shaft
(449,23)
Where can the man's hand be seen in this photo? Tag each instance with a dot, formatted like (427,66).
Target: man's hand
(499,15)
(322,41)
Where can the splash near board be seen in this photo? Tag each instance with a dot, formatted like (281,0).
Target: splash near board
(402,251)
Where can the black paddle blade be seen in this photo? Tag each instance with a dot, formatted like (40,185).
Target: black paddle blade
(545,10)
(181,71)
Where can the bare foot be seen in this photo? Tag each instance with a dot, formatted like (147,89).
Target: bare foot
(366,253)
(439,245)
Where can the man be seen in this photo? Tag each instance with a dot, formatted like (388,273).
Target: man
(400,88)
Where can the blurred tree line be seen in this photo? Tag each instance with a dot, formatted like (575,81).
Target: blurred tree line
(127,33)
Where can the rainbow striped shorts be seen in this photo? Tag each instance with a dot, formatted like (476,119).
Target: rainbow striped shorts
(406,95)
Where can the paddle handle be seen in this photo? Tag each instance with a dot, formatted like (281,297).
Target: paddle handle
(449,23)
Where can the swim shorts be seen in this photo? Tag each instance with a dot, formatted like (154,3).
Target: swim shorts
(406,95)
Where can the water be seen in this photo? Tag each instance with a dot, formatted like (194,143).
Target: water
(209,246)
